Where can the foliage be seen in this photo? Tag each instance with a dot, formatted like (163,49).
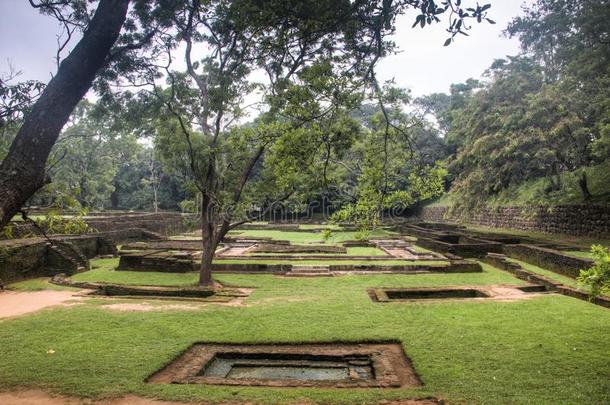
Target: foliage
(16,98)
(326,234)
(392,172)
(53,222)
(99,162)
(540,115)
(8,231)
(598,276)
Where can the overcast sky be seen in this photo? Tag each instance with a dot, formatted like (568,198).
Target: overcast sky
(28,42)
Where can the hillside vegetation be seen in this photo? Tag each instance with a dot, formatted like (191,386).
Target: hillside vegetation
(536,191)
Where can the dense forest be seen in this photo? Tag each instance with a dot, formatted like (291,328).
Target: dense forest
(534,129)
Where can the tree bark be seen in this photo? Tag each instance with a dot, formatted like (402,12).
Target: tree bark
(22,172)
(584,187)
(208,239)
(205,274)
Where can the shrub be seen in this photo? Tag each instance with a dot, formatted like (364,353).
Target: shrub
(598,276)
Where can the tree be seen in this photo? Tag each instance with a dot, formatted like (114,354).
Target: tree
(103,52)
(541,114)
(394,169)
(22,171)
(319,57)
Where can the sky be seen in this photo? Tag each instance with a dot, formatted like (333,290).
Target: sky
(28,42)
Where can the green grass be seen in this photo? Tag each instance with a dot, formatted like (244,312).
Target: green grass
(419,249)
(104,271)
(547,273)
(320,226)
(580,253)
(37,284)
(583,242)
(365,251)
(307,237)
(351,251)
(551,349)
(396,262)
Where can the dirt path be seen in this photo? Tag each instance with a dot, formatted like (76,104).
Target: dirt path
(14,303)
(36,397)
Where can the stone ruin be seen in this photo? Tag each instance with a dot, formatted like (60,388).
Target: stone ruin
(22,259)
(354,365)
(184,256)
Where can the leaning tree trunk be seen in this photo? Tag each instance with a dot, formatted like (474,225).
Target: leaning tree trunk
(22,172)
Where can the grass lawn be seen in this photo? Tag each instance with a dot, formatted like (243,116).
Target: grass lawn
(397,262)
(560,278)
(336,238)
(38,284)
(580,253)
(551,349)
(320,226)
(351,251)
(104,271)
(583,242)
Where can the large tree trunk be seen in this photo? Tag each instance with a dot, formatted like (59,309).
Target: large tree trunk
(205,273)
(22,172)
(584,187)
(209,241)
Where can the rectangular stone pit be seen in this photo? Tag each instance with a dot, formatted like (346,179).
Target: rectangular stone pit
(411,294)
(381,365)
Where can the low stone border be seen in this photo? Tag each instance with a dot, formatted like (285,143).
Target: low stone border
(549,259)
(473,247)
(455,266)
(500,261)
(145,291)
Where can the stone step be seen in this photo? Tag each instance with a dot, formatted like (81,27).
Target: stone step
(310,269)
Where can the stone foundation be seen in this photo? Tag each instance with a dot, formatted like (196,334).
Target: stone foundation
(499,261)
(22,259)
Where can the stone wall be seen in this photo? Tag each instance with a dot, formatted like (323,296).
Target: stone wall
(164,223)
(577,220)
(19,262)
(22,259)
(470,247)
(548,259)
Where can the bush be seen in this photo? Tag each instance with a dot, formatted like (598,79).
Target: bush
(53,222)
(598,276)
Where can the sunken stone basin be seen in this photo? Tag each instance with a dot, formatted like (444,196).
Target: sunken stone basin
(409,294)
(381,365)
